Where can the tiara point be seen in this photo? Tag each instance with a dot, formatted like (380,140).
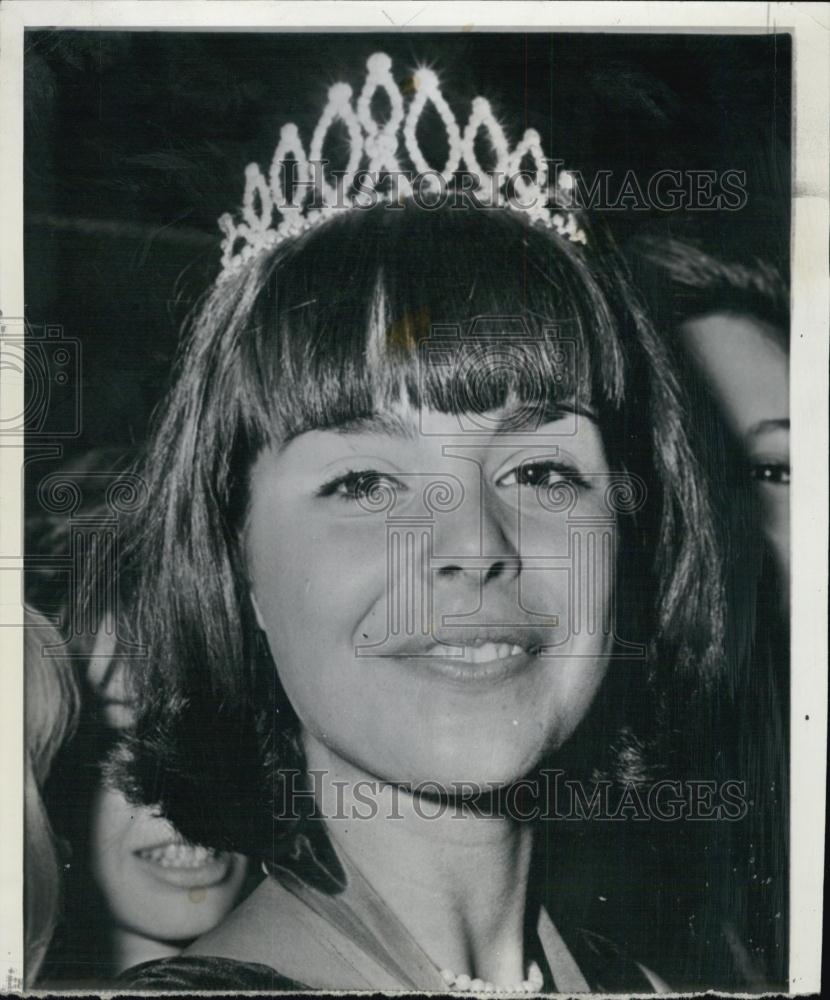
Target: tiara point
(301,203)
(426,77)
(340,93)
(379,62)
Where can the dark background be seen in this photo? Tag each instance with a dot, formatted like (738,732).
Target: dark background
(135,143)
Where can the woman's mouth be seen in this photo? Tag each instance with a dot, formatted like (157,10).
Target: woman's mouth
(486,652)
(186,866)
(480,662)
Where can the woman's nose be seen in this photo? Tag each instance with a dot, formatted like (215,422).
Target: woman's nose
(474,543)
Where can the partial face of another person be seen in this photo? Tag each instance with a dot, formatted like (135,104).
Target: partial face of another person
(747,369)
(437,602)
(153,883)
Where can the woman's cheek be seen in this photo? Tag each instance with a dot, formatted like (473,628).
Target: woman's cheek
(321,575)
(569,573)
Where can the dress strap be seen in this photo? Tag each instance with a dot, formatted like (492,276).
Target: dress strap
(567,976)
(605,966)
(359,915)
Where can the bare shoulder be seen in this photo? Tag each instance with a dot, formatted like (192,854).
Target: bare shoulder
(247,933)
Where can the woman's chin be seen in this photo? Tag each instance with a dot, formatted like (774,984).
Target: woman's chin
(466,771)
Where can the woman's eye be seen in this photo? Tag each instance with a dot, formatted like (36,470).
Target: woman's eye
(536,474)
(776,473)
(361,485)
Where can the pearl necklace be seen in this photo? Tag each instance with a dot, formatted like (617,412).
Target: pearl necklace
(464,984)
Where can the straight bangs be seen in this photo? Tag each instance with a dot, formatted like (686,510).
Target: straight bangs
(455,310)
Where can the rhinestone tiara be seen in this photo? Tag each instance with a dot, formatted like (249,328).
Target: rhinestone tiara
(374,172)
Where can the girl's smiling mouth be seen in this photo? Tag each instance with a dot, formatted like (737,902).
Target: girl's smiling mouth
(490,663)
(471,657)
(185,866)
(485,652)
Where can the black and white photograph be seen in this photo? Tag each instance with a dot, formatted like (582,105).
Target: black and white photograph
(397,502)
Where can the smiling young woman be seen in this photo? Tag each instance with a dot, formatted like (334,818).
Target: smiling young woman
(134,890)
(444,703)
(373,562)
(426,521)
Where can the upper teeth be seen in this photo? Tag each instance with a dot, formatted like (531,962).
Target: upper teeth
(483,653)
(178,855)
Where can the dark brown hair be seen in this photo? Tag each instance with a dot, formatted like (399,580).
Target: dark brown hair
(289,343)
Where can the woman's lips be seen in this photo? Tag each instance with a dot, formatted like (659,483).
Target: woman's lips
(485,652)
(485,662)
(185,866)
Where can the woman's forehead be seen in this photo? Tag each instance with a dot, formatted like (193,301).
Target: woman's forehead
(406,419)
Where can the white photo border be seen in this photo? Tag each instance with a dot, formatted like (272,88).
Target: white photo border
(809,24)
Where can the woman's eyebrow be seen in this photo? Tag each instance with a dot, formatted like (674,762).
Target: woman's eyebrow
(763,426)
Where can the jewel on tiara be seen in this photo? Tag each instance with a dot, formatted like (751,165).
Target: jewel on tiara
(312,199)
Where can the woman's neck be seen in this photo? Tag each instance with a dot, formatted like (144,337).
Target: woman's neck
(455,878)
